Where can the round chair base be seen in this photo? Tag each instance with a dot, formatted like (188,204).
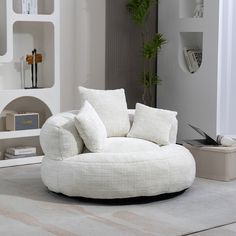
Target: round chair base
(165,170)
(128,201)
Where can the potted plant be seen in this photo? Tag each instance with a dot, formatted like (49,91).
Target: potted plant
(139,11)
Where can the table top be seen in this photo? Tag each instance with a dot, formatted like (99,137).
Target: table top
(212,148)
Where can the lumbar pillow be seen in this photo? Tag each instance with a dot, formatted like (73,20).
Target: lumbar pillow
(152,124)
(111,107)
(91,128)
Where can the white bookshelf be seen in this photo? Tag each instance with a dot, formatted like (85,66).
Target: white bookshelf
(21,161)
(19,35)
(20,134)
(205,98)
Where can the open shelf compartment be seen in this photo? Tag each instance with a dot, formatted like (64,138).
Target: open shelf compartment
(25,104)
(190,40)
(27,37)
(30,141)
(45,7)
(187,8)
(3,28)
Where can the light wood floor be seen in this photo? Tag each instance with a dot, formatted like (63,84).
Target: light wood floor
(28,208)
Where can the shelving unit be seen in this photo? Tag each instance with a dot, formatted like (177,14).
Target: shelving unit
(189,40)
(19,35)
(3,40)
(197,97)
(19,134)
(45,7)
(186,8)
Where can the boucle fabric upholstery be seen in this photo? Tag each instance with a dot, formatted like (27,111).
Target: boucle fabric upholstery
(59,137)
(173,131)
(111,107)
(121,175)
(91,128)
(124,145)
(158,127)
(126,167)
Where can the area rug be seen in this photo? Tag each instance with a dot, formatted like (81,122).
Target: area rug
(28,208)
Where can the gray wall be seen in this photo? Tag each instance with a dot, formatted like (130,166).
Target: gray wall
(82,48)
(123,51)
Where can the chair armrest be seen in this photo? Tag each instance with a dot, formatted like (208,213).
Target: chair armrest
(59,138)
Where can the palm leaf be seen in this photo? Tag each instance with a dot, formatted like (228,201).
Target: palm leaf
(151,48)
(139,9)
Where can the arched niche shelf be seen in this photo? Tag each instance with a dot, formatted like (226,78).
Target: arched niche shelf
(26,104)
(193,41)
(187,8)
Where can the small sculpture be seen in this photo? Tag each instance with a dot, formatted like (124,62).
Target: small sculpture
(33,60)
(198,12)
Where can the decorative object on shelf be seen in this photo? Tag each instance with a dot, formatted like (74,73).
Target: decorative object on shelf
(20,152)
(29,7)
(139,11)
(193,58)
(33,60)
(22,72)
(22,121)
(199,9)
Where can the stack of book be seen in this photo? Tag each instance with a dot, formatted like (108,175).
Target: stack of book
(20,152)
(193,57)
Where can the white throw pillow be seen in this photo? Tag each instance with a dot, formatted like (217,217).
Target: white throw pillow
(111,107)
(152,124)
(91,128)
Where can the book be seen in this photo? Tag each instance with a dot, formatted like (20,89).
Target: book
(22,150)
(10,156)
(193,58)
(206,141)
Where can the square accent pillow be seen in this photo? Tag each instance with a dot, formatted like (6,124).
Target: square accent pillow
(91,128)
(152,124)
(111,107)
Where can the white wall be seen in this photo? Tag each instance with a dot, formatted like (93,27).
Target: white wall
(194,96)
(82,48)
(90,41)
(68,48)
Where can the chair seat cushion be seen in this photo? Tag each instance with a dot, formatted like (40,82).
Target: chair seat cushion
(118,173)
(126,145)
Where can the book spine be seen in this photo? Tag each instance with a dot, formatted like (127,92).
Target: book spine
(17,152)
(193,60)
(186,55)
(10,156)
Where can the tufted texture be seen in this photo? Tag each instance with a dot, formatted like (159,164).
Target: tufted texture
(91,128)
(121,175)
(111,107)
(59,137)
(158,127)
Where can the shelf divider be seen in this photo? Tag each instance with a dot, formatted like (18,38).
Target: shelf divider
(19,134)
(21,161)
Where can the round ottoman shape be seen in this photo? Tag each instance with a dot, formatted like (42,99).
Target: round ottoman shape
(114,175)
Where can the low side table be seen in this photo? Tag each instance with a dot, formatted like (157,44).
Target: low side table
(217,163)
